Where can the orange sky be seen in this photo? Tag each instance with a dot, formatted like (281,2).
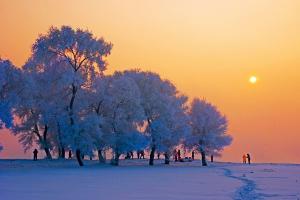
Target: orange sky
(207,48)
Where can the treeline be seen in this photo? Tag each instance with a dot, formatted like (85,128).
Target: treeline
(61,100)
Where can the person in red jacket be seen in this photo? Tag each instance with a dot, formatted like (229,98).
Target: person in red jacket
(244,158)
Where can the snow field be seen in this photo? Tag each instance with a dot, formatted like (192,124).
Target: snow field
(133,179)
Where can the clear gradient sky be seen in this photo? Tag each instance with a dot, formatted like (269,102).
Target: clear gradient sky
(207,48)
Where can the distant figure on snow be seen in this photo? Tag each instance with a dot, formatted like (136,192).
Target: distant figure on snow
(138,154)
(70,154)
(212,158)
(142,154)
(127,155)
(158,155)
(193,155)
(175,155)
(179,155)
(248,158)
(244,159)
(35,153)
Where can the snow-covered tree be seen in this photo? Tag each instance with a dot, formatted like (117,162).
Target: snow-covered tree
(209,128)
(37,106)
(9,75)
(177,125)
(122,114)
(164,108)
(9,81)
(79,56)
(96,97)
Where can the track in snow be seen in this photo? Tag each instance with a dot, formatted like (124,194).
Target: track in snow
(247,191)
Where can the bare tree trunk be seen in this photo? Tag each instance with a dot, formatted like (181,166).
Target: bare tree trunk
(43,140)
(62,153)
(167,158)
(151,161)
(48,154)
(203,158)
(100,156)
(78,156)
(61,149)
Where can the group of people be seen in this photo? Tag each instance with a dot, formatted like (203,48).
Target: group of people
(129,155)
(140,155)
(247,158)
(177,156)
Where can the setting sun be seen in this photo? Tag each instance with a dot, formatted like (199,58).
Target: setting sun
(253,79)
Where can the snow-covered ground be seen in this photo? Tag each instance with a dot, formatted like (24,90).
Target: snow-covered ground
(55,180)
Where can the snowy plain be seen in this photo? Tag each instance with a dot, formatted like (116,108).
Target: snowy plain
(133,179)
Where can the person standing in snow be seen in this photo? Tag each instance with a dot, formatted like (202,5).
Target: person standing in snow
(70,154)
(158,155)
(35,153)
(142,154)
(175,155)
(127,155)
(193,155)
(248,158)
(179,155)
(244,158)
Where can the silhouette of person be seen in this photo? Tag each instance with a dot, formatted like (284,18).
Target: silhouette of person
(142,154)
(127,155)
(244,159)
(179,156)
(35,153)
(70,154)
(248,158)
(158,155)
(138,154)
(212,158)
(175,155)
(193,155)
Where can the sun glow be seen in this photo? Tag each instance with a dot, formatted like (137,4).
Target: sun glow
(253,79)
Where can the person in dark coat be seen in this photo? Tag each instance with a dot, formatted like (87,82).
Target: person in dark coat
(143,154)
(70,154)
(175,155)
(127,155)
(35,153)
(138,154)
(179,154)
(248,158)
(193,155)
